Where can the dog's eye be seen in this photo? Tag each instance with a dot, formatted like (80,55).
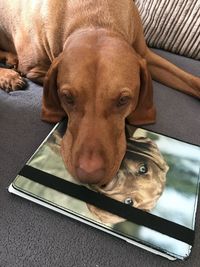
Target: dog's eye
(69,99)
(143,169)
(128,201)
(123,100)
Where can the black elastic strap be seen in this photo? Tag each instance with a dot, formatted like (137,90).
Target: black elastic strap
(101,201)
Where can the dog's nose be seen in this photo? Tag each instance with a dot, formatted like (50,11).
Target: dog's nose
(94,177)
(90,169)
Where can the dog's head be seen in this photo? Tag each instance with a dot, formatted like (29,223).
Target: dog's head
(140,180)
(97,82)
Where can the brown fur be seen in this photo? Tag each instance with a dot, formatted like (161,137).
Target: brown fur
(100,74)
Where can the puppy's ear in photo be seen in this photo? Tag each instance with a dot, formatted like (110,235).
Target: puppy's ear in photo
(144,112)
(51,106)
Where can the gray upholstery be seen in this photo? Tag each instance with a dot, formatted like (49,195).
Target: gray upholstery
(31,235)
(172,25)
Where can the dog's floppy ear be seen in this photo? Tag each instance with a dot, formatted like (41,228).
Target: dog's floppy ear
(144,112)
(51,107)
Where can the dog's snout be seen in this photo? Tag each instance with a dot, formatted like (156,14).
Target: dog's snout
(90,168)
(94,177)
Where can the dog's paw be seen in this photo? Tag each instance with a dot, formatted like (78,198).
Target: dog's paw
(10,80)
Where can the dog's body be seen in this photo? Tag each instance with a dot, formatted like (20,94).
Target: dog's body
(99,73)
(37,32)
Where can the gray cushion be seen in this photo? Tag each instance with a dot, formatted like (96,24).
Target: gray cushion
(172,25)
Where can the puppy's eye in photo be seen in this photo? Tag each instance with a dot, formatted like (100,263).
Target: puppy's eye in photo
(143,169)
(128,201)
(123,100)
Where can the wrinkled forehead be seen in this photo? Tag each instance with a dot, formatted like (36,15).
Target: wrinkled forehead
(96,59)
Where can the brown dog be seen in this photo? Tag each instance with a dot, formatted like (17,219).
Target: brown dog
(99,74)
(140,180)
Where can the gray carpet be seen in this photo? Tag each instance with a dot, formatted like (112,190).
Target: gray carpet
(31,235)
